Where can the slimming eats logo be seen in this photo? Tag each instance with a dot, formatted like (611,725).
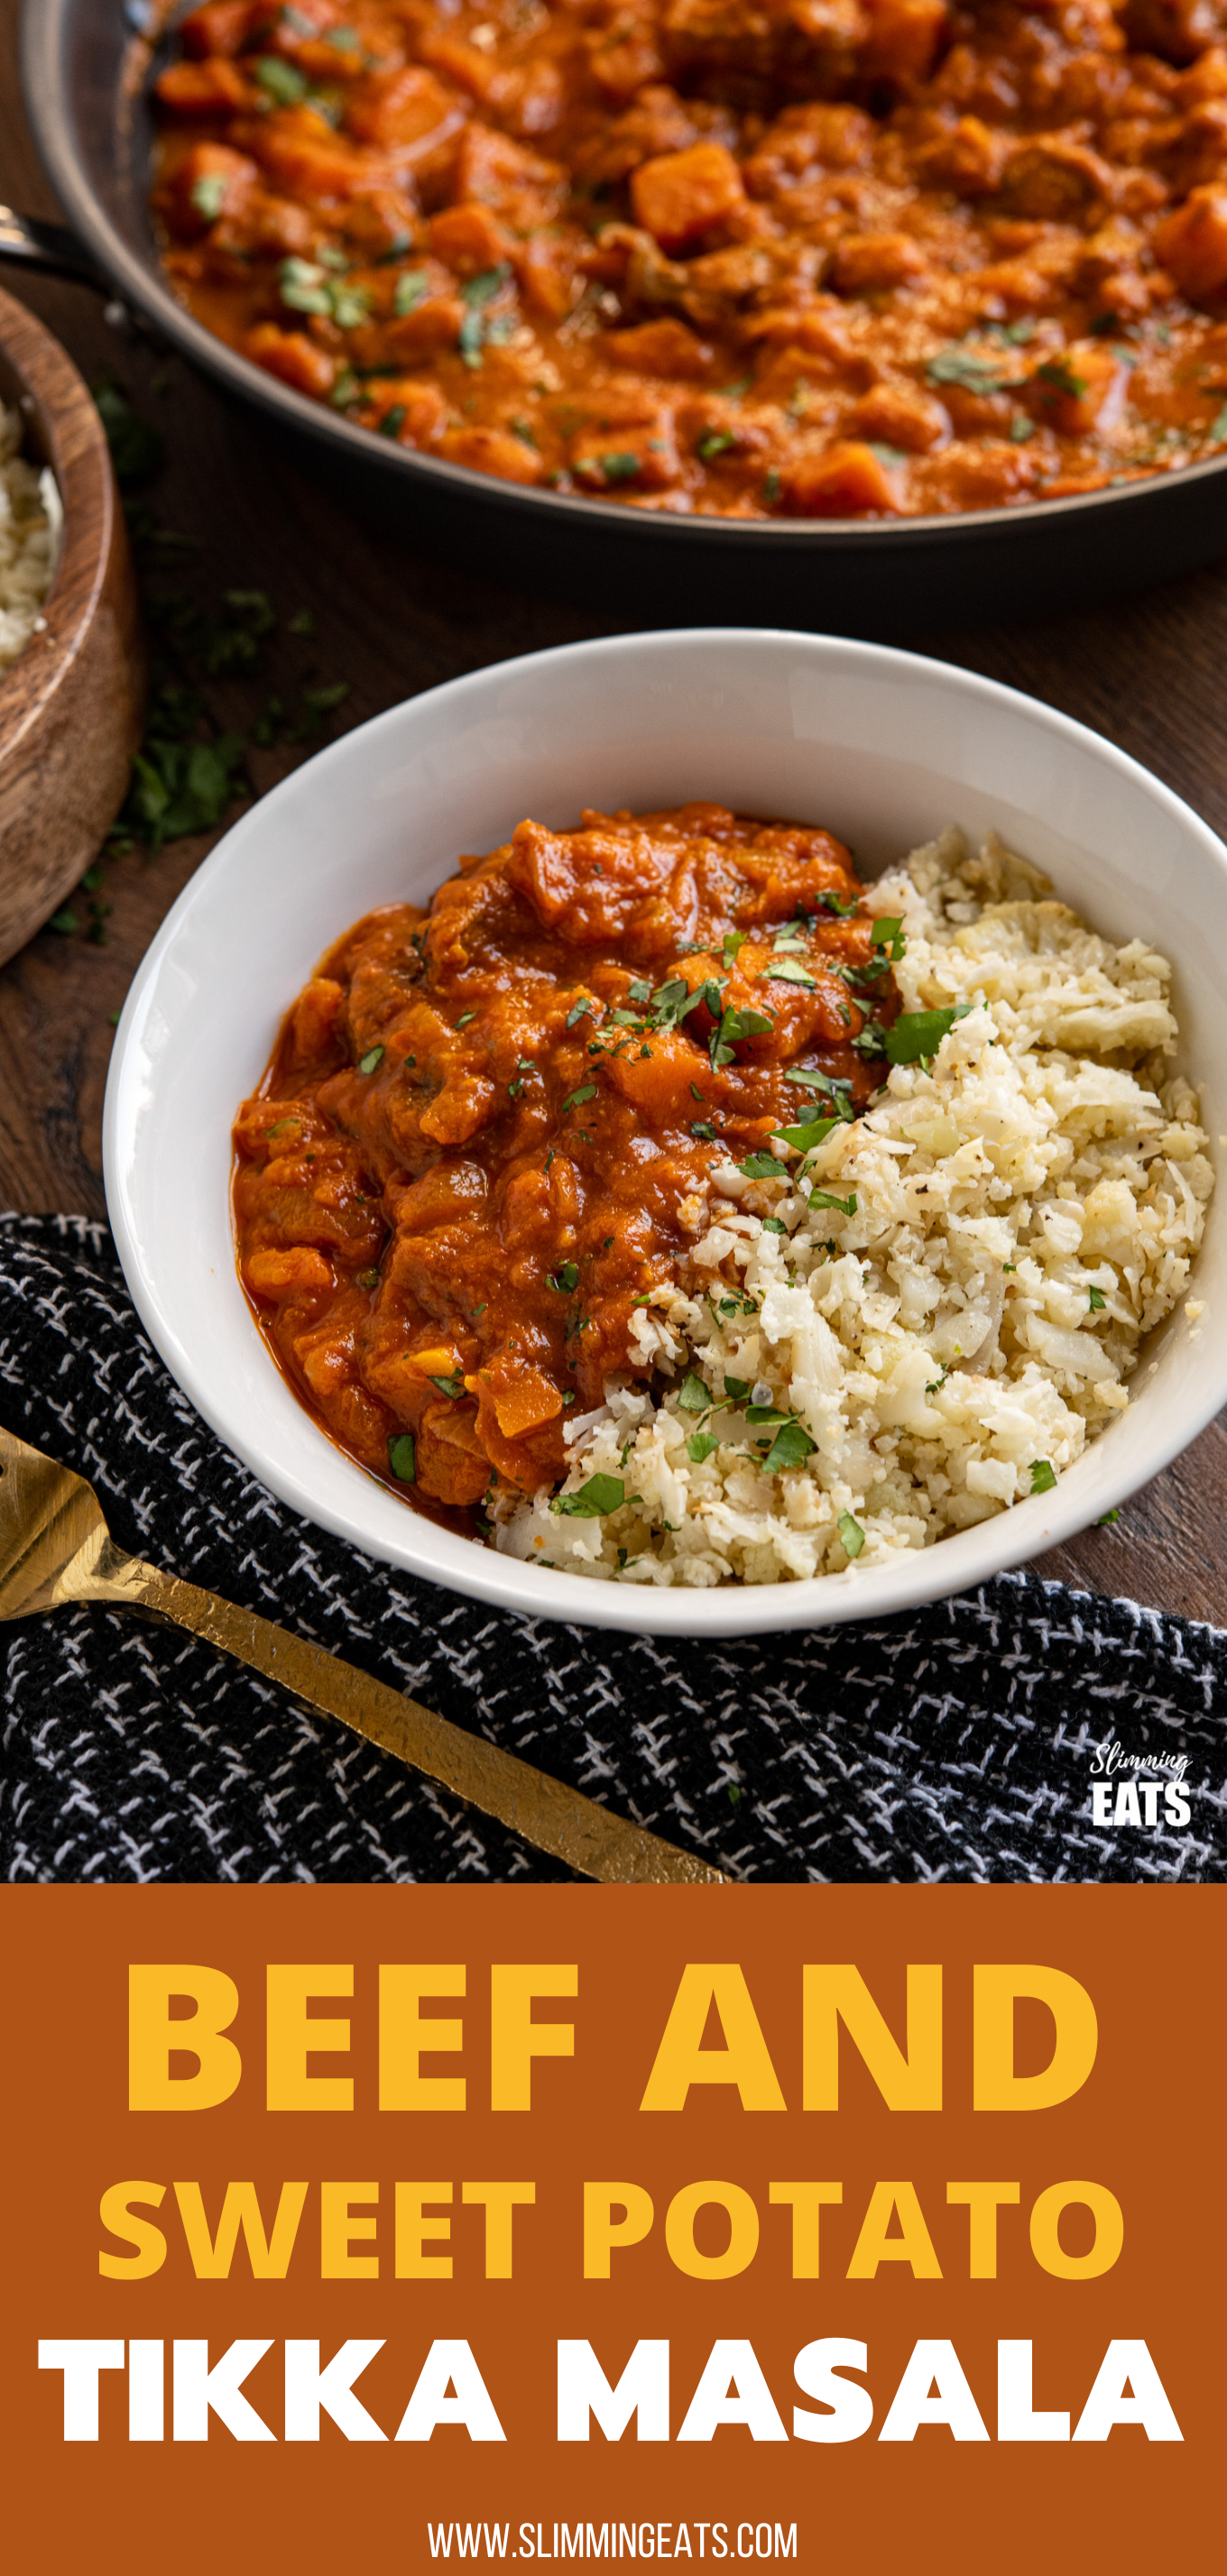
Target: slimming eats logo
(1135,1801)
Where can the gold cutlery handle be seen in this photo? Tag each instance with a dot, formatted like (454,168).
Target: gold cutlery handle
(553,1818)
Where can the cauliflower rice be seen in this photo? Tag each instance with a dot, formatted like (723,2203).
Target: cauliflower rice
(930,1322)
(31,521)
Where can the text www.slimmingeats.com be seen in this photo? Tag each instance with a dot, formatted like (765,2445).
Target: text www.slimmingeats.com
(612,2539)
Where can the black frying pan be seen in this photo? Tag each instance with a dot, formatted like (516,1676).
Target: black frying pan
(87,66)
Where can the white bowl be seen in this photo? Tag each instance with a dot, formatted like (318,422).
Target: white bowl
(882,747)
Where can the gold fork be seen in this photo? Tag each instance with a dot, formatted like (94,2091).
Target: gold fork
(55,1548)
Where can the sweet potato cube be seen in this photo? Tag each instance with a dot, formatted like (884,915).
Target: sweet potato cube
(293,357)
(219,28)
(1083,388)
(663,348)
(903,39)
(868,263)
(494,451)
(203,89)
(470,239)
(682,196)
(843,482)
(1192,244)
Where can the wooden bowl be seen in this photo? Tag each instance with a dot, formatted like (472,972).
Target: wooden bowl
(71,705)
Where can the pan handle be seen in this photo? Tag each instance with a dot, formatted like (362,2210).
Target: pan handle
(30,243)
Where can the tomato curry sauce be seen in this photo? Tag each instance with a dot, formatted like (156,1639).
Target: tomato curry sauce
(824,258)
(485,1135)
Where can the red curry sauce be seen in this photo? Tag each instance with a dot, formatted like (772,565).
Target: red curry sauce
(485,1133)
(748,257)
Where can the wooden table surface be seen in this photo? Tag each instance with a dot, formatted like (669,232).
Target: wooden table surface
(1148,673)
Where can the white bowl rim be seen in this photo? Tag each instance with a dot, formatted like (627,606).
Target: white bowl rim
(995,1546)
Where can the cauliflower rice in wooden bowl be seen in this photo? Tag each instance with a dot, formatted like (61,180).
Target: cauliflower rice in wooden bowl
(899,1346)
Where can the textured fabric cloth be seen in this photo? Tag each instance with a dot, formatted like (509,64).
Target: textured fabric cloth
(949,1743)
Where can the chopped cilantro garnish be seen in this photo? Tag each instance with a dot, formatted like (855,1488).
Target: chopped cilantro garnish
(703,1129)
(788,971)
(851,1533)
(479,290)
(771,485)
(731,945)
(410,288)
(639,991)
(578,1009)
(600,1495)
(736,1389)
(840,904)
(367,1278)
(304,286)
(700,1446)
(791,1447)
(917,1035)
(401,1457)
(692,1395)
(1063,377)
(575,1099)
(1043,1477)
(1107,1520)
(826,1199)
(368,1062)
(565,1278)
(735,1025)
(713,443)
(1216,433)
(887,933)
(812,1132)
(811,1078)
(763,1167)
(619,466)
(960,367)
(453,1385)
(209,195)
(1097,1299)
(464,1019)
(280,81)
(392,423)
(774,1225)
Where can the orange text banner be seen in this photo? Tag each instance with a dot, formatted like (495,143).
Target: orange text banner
(817,2226)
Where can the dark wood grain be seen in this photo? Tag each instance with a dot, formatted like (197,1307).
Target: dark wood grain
(1147,673)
